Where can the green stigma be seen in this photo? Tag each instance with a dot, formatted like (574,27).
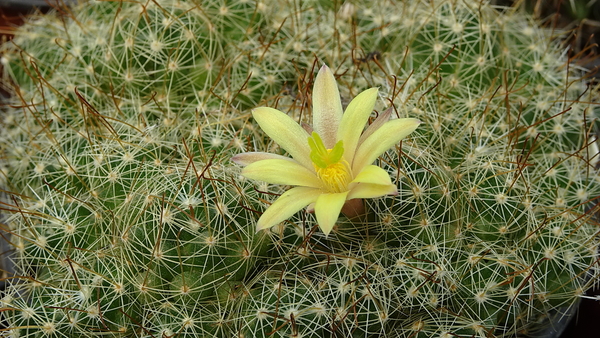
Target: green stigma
(321,156)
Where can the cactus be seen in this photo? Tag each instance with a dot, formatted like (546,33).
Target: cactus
(128,219)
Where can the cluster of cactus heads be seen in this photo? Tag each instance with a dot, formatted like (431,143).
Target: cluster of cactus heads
(126,217)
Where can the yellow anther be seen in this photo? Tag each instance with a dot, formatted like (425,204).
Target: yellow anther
(335,177)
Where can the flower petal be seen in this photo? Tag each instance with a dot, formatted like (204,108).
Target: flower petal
(369,190)
(278,171)
(287,205)
(381,140)
(354,119)
(373,174)
(308,128)
(245,159)
(327,209)
(285,132)
(327,107)
(379,121)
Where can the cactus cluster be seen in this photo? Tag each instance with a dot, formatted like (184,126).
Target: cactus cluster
(127,218)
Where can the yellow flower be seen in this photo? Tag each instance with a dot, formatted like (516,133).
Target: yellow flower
(331,162)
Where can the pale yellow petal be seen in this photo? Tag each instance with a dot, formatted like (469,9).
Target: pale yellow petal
(327,107)
(373,174)
(286,205)
(369,190)
(327,209)
(286,132)
(379,121)
(245,159)
(354,119)
(279,171)
(381,140)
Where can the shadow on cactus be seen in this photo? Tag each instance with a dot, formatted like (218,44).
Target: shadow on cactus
(126,217)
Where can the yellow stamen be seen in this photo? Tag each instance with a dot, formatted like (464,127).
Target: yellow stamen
(335,177)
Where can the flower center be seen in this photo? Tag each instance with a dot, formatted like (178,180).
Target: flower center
(329,164)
